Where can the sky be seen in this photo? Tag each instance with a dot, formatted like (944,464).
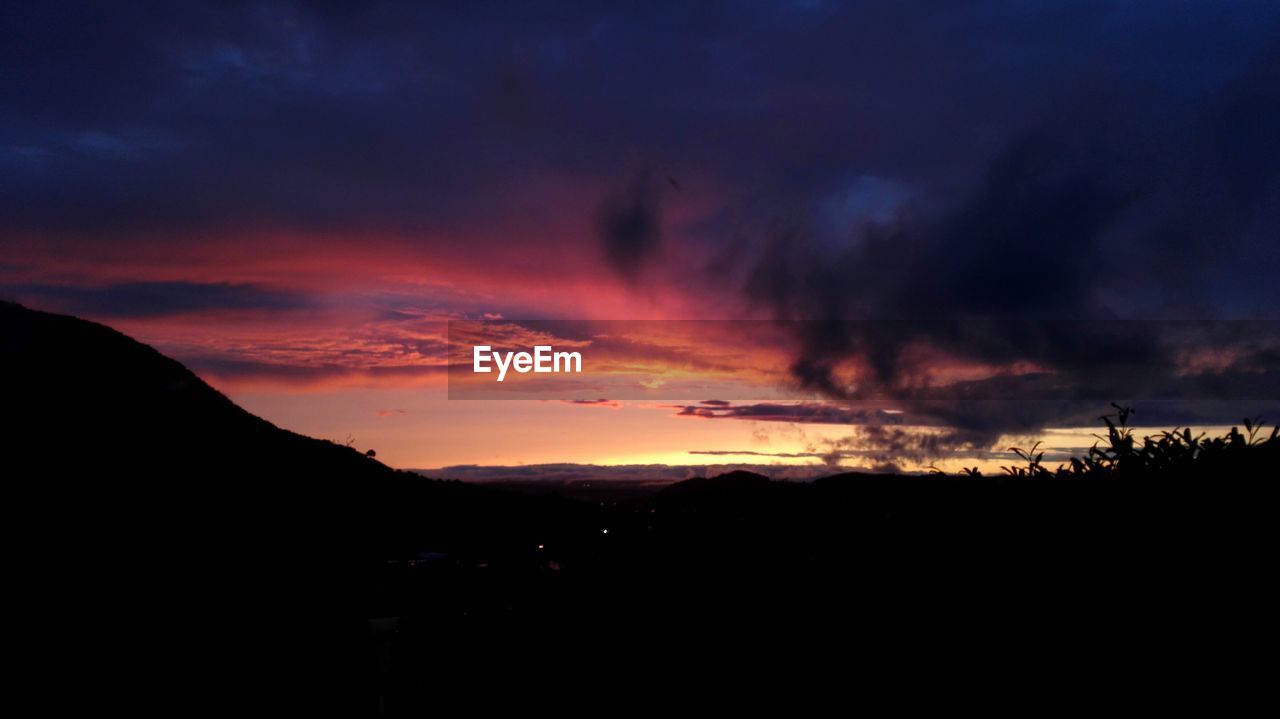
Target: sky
(294,199)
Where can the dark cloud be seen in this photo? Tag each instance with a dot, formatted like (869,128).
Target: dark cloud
(1092,215)
(409,115)
(593,402)
(154,299)
(752,453)
(631,224)
(912,430)
(832,460)
(808,412)
(930,430)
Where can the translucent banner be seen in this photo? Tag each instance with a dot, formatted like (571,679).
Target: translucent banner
(905,360)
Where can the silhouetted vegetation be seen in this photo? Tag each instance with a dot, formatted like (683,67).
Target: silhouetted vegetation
(1169,455)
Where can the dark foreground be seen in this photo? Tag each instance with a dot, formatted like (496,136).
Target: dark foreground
(174,554)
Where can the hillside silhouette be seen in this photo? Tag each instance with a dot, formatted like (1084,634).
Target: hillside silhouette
(164,524)
(180,552)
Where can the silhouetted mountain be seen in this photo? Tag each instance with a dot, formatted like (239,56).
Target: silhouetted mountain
(737,476)
(169,525)
(94,397)
(727,482)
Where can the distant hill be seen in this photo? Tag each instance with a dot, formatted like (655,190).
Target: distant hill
(720,485)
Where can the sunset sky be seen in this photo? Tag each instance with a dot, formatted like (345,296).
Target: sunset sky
(293,199)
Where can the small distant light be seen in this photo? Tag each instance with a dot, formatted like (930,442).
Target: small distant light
(604,531)
(542,546)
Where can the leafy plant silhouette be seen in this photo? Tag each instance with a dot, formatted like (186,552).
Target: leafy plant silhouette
(1032,458)
(1171,454)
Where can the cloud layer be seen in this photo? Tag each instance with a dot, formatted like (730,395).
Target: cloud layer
(302,193)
